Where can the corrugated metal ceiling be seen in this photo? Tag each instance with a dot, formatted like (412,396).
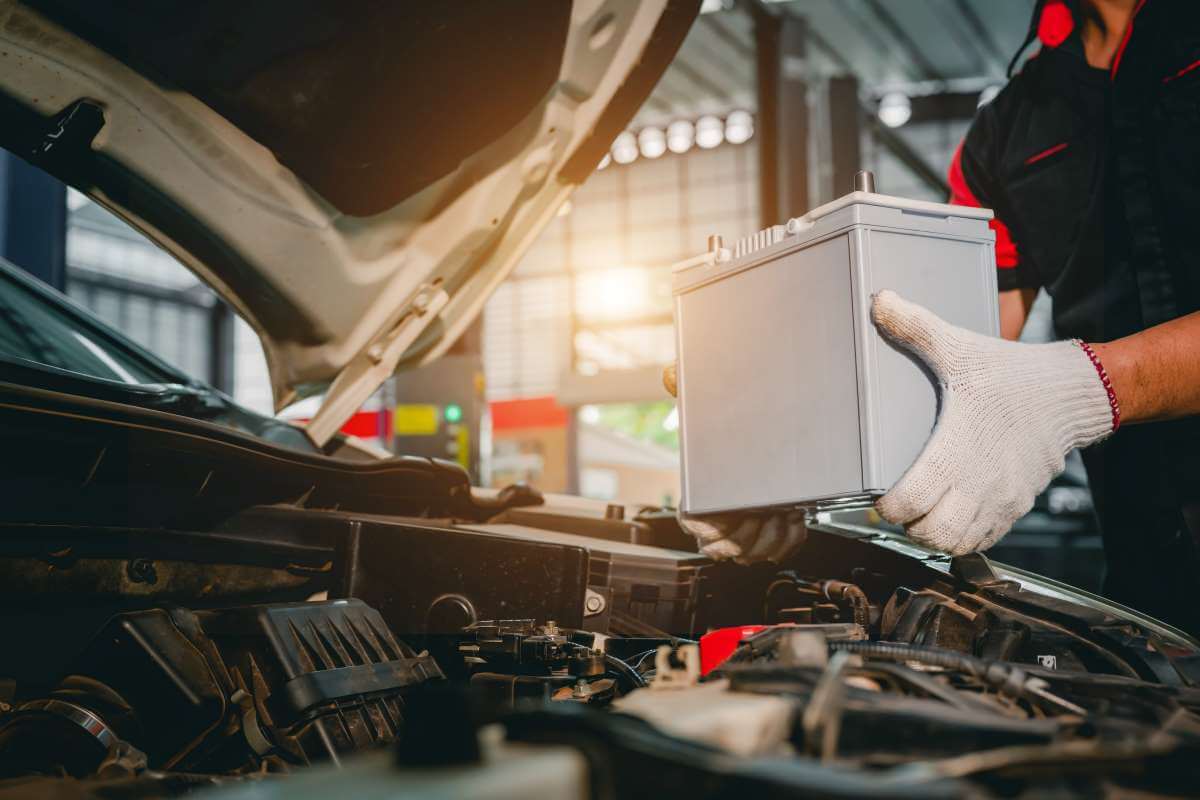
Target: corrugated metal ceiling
(886,43)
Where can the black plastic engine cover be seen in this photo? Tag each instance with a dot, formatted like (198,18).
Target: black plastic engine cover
(225,689)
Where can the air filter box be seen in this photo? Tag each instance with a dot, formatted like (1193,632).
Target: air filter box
(788,394)
(220,690)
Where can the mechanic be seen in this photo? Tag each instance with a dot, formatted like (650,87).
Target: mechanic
(1090,157)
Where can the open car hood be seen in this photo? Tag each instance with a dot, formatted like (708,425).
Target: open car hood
(355,179)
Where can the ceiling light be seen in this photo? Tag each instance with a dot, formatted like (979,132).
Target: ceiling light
(681,135)
(625,148)
(739,127)
(612,293)
(652,142)
(710,132)
(895,109)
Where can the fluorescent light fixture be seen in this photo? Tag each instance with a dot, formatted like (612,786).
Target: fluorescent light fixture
(652,142)
(625,148)
(681,135)
(739,127)
(710,132)
(895,109)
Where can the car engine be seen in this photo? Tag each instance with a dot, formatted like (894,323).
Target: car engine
(883,674)
(179,618)
(223,691)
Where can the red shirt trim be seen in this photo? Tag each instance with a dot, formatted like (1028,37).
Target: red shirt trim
(961,195)
(1125,39)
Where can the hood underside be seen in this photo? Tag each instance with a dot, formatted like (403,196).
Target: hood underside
(354,178)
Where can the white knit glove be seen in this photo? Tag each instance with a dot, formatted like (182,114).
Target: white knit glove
(1010,413)
(747,537)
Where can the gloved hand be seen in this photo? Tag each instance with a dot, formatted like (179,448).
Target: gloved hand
(749,537)
(1010,412)
(746,538)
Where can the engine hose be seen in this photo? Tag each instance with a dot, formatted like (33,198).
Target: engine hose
(843,590)
(625,671)
(1006,678)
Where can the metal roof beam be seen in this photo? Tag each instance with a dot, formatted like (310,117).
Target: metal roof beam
(884,135)
(731,39)
(908,156)
(995,55)
(699,79)
(905,41)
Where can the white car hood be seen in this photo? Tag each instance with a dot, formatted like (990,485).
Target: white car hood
(363,210)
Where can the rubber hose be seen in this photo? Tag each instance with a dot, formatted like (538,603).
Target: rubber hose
(843,590)
(624,670)
(1008,678)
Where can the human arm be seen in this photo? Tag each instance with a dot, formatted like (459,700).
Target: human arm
(1156,373)
(1014,310)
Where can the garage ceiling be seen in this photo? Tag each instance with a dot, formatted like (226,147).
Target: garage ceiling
(888,44)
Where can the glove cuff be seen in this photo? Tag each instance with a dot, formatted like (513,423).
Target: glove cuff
(1088,413)
(1105,381)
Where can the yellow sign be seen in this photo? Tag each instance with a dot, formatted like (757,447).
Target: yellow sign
(463,438)
(416,419)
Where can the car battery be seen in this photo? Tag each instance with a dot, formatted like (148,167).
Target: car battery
(788,395)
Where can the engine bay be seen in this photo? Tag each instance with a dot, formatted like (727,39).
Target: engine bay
(152,663)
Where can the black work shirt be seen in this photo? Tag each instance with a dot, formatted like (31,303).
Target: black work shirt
(1094,176)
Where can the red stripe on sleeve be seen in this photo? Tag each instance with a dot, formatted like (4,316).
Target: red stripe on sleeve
(1049,151)
(1182,72)
(961,195)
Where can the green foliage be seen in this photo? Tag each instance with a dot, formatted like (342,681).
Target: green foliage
(641,421)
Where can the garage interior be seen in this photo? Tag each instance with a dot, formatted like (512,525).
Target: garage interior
(768,111)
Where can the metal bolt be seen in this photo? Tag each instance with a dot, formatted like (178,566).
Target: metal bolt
(715,243)
(593,602)
(141,570)
(864,181)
